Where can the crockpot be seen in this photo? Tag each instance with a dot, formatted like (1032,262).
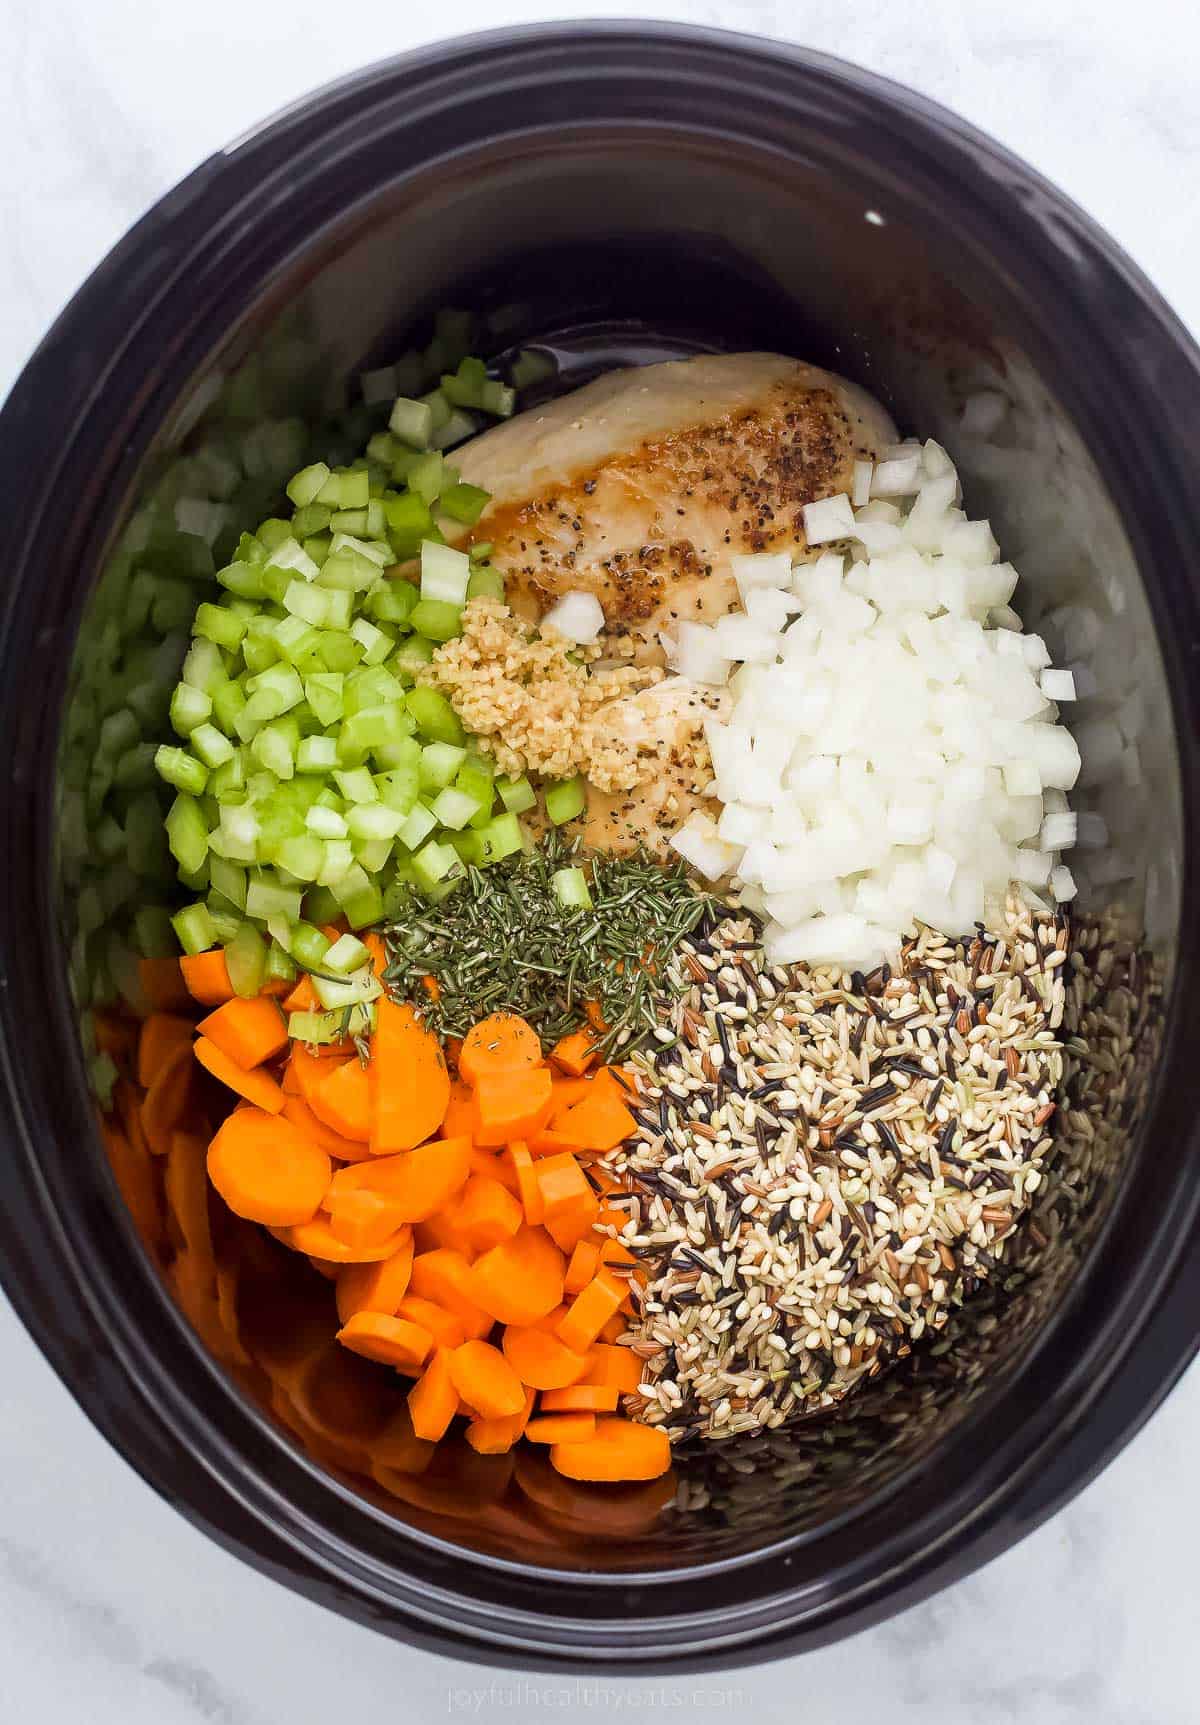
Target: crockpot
(617,193)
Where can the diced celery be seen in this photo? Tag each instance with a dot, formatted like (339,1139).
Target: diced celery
(417,827)
(373,854)
(485,583)
(464,388)
(339,860)
(376,645)
(454,808)
(517,795)
(325,823)
(246,961)
(320,905)
(346,954)
(468,846)
(356,785)
(339,652)
(439,407)
(480,550)
(371,731)
(348,571)
(279,686)
(346,540)
(382,447)
(317,755)
(437,620)
(298,642)
(367,821)
(229,880)
(440,762)
(323,607)
(365,907)
(314,518)
(433,863)
(476,777)
(281,967)
(320,1028)
(189,707)
(458,426)
(571,889)
(426,477)
(324,692)
(391,601)
(502,837)
(219,624)
(228,702)
(353,881)
(338,993)
(317,547)
(411,422)
(265,897)
(307,945)
(435,717)
(302,856)
(271,749)
(228,782)
(244,579)
(152,931)
(372,686)
(400,787)
(203,668)
(236,838)
(411,655)
(180,769)
(463,502)
(499,400)
(120,730)
(345,489)
(225,920)
(303,487)
(194,928)
(272,534)
(566,800)
(444,576)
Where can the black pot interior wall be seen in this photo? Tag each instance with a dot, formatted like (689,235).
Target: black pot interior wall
(615,251)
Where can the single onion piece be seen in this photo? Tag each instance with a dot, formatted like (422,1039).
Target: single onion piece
(577,617)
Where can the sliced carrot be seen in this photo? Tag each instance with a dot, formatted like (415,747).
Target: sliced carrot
(165,1104)
(266,1171)
(519,1280)
(540,1359)
(257,1087)
(296,1109)
(134,1175)
(311,1070)
(160,1035)
(363,1217)
(289,1083)
(185,1186)
(561,1428)
(316,1239)
(574,1053)
(528,1190)
(594,1016)
(599,1123)
(497,1436)
(445,1278)
(398,1447)
(462,1117)
(391,1341)
(493,1165)
(373,941)
(573,1224)
(612,1329)
(584,1262)
(512,1104)
(248,1031)
(440,1230)
(343,1100)
(582,1399)
(613,1252)
(420,1181)
(410,1087)
(564,1187)
(433,1399)
(446,1330)
(207,978)
(379,1287)
(484,1378)
(502,1042)
(619,1449)
(589,1310)
(163,985)
(486,1212)
(303,998)
(549,1142)
(610,1365)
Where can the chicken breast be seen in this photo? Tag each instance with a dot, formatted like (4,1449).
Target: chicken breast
(640,488)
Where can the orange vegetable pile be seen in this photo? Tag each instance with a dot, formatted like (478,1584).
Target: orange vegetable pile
(458,1215)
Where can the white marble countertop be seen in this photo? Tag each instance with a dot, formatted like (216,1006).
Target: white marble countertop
(113,1609)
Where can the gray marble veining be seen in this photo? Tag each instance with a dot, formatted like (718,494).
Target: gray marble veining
(114,1609)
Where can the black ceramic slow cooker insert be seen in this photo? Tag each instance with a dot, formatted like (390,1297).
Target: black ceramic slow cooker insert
(616,194)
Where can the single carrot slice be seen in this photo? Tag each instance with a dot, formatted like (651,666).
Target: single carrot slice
(528,1190)
(582,1399)
(363,1218)
(484,1378)
(512,1104)
(574,1053)
(486,1212)
(433,1399)
(410,1087)
(574,1223)
(391,1341)
(420,1181)
(540,1359)
(343,1100)
(445,1278)
(613,1252)
(561,1428)
(316,1239)
(519,1280)
(612,1329)
(207,977)
(493,1165)
(163,985)
(462,1117)
(497,1436)
(311,1070)
(296,1109)
(611,1365)
(290,1085)
(248,1031)
(378,1287)
(185,1187)
(165,1104)
(549,1142)
(619,1449)
(303,998)
(502,1042)
(160,1035)
(258,1087)
(266,1171)
(584,1262)
(599,1123)
(564,1186)
(446,1330)
(589,1310)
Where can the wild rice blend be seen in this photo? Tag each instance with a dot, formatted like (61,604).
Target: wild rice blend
(823,1160)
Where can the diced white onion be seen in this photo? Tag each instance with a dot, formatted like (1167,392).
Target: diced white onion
(830,518)
(861,488)
(1057,685)
(577,617)
(1062,883)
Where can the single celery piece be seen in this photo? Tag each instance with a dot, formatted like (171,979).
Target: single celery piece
(320,1028)
(229,879)
(427,476)
(346,954)
(440,762)
(435,718)
(454,808)
(339,860)
(307,945)
(317,755)
(418,825)
(355,784)
(337,993)
(434,862)
(391,601)
(412,422)
(485,583)
(502,837)
(566,800)
(310,521)
(373,821)
(266,897)
(246,961)
(464,503)
(212,746)
(445,574)
(194,928)
(571,889)
(437,620)
(304,487)
(325,693)
(281,967)
(302,857)
(517,795)
(469,847)
(220,625)
(228,702)
(180,769)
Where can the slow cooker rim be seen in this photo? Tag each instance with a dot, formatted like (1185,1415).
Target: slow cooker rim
(435,58)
